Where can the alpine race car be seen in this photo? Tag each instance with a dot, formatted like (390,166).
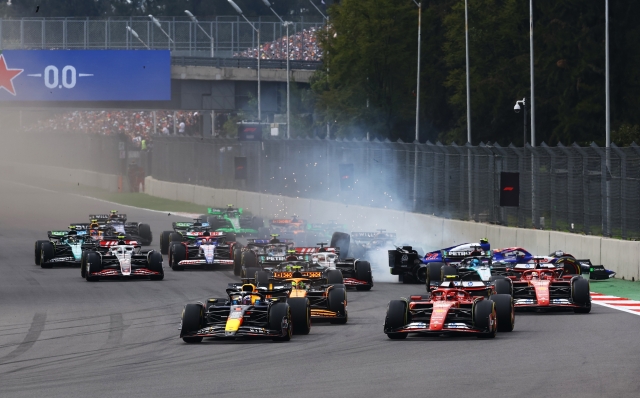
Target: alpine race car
(184,231)
(323,287)
(451,309)
(248,311)
(63,247)
(208,248)
(232,220)
(121,258)
(118,222)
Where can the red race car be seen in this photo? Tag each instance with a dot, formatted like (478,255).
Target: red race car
(454,307)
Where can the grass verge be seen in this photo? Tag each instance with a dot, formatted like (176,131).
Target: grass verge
(617,287)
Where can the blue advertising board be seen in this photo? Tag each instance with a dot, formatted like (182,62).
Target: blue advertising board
(85,75)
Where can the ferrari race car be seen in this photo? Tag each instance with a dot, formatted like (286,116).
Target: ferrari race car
(324,288)
(121,258)
(247,312)
(118,223)
(63,247)
(208,248)
(451,309)
(185,231)
(232,220)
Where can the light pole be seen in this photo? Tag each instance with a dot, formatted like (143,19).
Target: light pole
(286,24)
(607,230)
(466,46)
(134,34)
(195,20)
(157,23)
(326,18)
(533,97)
(239,11)
(516,109)
(418,74)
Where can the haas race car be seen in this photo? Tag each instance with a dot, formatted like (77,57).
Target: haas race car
(453,307)
(121,257)
(247,311)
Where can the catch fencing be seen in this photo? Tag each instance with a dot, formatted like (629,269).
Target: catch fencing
(566,188)
(230,34)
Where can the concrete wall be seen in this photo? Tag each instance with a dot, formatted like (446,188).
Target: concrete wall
(108,182)
(238,74)
(431,232)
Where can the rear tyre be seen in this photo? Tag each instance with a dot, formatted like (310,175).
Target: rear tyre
(83,264)
(47,252)
(503,286)
(505,313)
(144,231)
(230,237)
(280,319)
(155,264)
(363,273)
(447,270)
(250,273)
(484,318)
(192,321)
(165,238)
(581,295)
(237,261)
(178,253)
(38,249)
(334,277)
(343,241)
(249,259)
(397,317)
(262,278)
(93,263)
(174,237)
(434,274)
(338,303)
(300,314)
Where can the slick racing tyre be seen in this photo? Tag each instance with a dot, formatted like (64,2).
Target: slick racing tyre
(363,273)
(484,318)
(503,286)
(446,271)
(230,237)
(237,261)
(165,238)
(249,259)
(397,317)
(178,253)
(38,250)
(581,295)
(83,265)
(192,321)
(300,314)
(262,278)
(334,277)
(250,273)
(47,252)
(338,303)
(144,231)
(342,241)
(280,319)
(175,237)
(434,274)
(93,263)
(155,264)
(505,313)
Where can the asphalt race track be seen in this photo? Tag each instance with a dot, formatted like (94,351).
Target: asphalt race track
(61,336)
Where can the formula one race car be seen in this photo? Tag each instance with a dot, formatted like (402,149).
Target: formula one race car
(264,253)
(185,231)
(118,222)
(121,258)
(323,287)
(232,220)
(63,247)
(451,309)
(246,312)
(209,248)
(364,242)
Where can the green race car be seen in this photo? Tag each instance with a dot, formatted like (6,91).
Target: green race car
(232,220)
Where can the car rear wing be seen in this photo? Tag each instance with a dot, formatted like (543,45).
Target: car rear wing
(64,234)
(236,287)
(186,225)
(221,212)
(268,241)
(285,221)
(107,217)
(369,236)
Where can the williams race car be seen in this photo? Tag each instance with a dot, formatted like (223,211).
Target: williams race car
(246,312)
(451,309)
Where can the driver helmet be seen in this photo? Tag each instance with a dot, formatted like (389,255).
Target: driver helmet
(535,276)
(246,300)
(476,262)
(114,214)
(302,285)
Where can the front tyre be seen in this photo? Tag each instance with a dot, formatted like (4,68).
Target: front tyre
(280,319)
(505,312)
(397,317)
(363,273)
(192,321)
(338,303)
(300,314)
(47,253)
(93,264)
(155,264)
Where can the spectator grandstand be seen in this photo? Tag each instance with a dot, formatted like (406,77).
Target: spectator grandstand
(302,46)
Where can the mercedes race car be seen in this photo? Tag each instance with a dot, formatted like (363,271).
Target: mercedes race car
(118,223)
(206,249)
(259,253)
(323,287)
(121,258)
(232,220)
(248,311)
(63,247)
(451,309)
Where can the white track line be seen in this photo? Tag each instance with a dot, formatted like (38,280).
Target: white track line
(616,303)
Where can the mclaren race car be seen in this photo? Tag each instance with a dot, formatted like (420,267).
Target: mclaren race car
(247,311)
(451,309)
(121,258)
(206,249)
(323,287)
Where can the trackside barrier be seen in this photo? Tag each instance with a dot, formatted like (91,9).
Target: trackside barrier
(621,256)
(108,182)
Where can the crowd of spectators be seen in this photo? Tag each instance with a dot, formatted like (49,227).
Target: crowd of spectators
(302,46)
(135,125)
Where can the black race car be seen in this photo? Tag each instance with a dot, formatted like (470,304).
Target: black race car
(206,248)
(118,223)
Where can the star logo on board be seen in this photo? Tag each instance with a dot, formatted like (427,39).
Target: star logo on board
(7,75)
